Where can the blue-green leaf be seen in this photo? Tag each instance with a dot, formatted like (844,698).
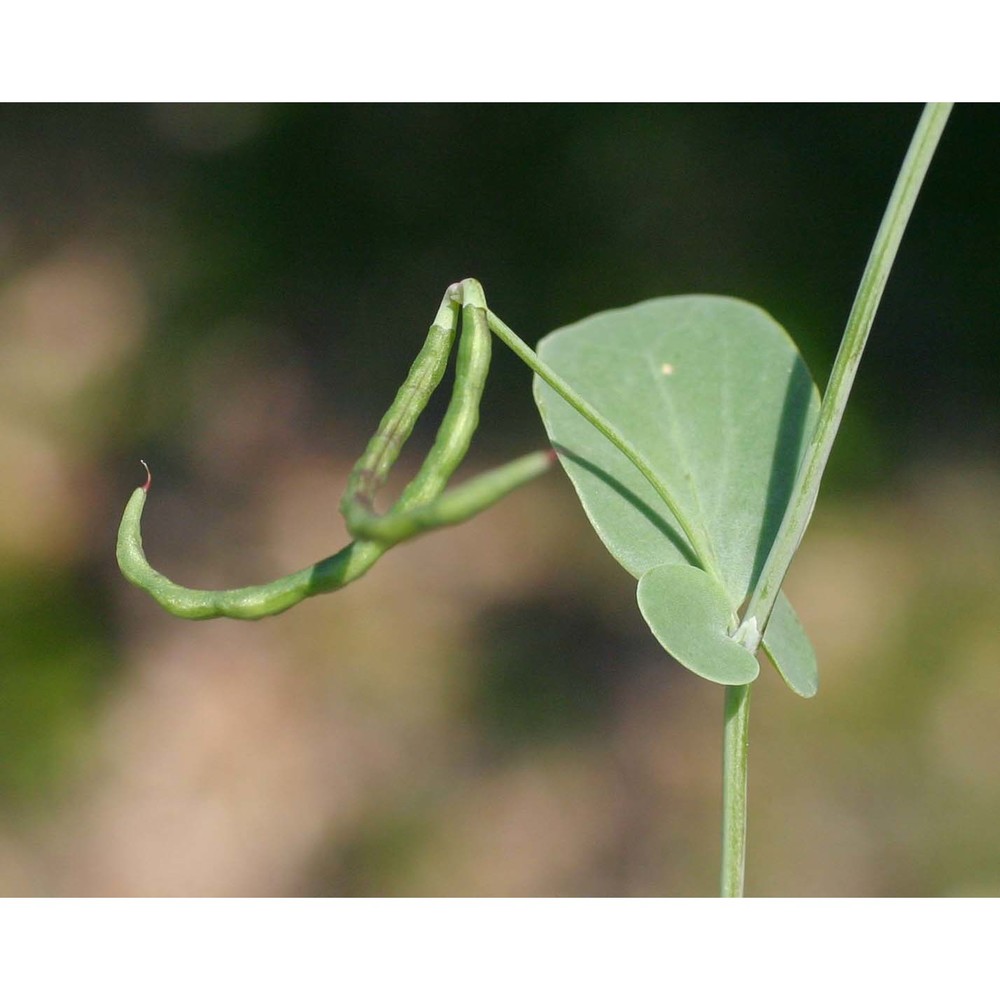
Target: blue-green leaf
(715,396)
(789,649)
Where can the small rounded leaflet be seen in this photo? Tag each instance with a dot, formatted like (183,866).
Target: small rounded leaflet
(689,614)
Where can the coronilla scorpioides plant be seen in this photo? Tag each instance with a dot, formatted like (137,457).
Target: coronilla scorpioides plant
(696,441)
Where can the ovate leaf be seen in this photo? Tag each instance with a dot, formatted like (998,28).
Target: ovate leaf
(714,394)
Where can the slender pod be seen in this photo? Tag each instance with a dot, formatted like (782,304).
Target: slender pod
(370,471)
(244,602)
(424,504)
(462,416)
(455,433)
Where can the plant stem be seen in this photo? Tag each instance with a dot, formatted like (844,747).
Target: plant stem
(735,754)
(793,527)
(859,324)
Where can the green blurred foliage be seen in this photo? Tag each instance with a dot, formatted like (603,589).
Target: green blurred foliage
(271,271)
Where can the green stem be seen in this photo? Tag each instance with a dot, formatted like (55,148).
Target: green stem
(859,324)
(735,754)
(845,367)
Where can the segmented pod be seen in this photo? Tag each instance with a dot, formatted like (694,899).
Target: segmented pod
(424,505)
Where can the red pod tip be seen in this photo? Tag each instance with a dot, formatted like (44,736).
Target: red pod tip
(149,477)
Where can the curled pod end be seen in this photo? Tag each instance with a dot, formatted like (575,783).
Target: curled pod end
(131,558)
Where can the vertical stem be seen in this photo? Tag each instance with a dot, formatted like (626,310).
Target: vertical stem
(845,366)
(735,755)
(761,603)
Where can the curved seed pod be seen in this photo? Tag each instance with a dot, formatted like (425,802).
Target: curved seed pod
(423,506)
(462,417)
(244,602)
(457,427)
(329,574)
(453,437)
(427,370)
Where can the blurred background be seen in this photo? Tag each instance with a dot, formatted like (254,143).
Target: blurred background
(234,293)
